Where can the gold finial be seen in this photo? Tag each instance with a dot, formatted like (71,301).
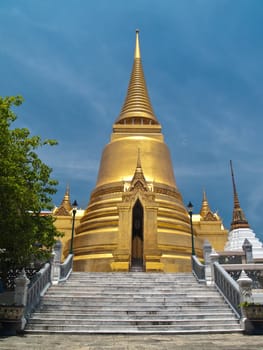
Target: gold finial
(138,179)
(137,53)
(67,191)
(238,218)
(205,209)
(66,199)
(137,108)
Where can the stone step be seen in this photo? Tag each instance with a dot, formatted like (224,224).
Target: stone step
(129,316)
(113,284)
(127,305)
(139,285)
(131,290)
(169,331)
(157,284)
(161,302)
(132,275)
(95,302)
(131,296)
(111,287)
(134,308)
(123,322)
(117,279)
(125,312)
(126,323)
(132,281)
(131,293)
(93,329)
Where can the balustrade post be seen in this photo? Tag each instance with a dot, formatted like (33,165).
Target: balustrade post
(55,262)
(245,287)
(214,257)
(207,250)
(21,287)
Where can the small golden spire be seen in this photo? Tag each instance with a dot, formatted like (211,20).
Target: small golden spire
(205,209)
(65,206)
(66,200)
(137,108)
(138,171)
(238,218)
(138,179)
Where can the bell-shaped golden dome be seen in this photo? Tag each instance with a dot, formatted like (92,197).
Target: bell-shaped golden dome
(136,217)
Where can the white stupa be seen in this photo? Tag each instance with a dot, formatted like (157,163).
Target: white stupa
(240,229)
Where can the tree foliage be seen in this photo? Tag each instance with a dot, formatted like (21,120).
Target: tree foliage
(25,189)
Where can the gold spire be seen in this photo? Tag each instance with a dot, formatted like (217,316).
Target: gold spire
(137,108)
(205,209)
(205,212)
(138,179)
(238,218)
(65,206)
(66,200)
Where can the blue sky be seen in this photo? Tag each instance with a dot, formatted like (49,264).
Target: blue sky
(71,61)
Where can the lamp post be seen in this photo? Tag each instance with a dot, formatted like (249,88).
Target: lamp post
(74,210)
(190,212)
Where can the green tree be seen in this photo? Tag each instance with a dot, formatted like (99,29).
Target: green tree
(25,189)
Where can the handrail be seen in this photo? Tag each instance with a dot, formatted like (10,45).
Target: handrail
(198,269)
(38,288)
(43,282)
(227,287)
(66,268)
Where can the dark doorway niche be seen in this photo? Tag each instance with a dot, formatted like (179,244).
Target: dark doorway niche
(137,263)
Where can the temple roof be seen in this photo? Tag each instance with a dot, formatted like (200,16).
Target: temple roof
(238,219)
(65,207)
(137,103)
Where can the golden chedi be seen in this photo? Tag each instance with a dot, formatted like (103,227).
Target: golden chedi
(209,226)
(136,219)
(63,221)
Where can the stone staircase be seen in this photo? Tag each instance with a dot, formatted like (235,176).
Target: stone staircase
(132,302)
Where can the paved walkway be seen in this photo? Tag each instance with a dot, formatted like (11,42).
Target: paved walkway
(133,342)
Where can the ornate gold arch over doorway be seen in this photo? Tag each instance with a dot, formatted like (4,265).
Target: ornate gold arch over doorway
(137,261)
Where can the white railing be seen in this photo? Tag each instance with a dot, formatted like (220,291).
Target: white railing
(198,269)
(38,288)
(66,268)
(227,287)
